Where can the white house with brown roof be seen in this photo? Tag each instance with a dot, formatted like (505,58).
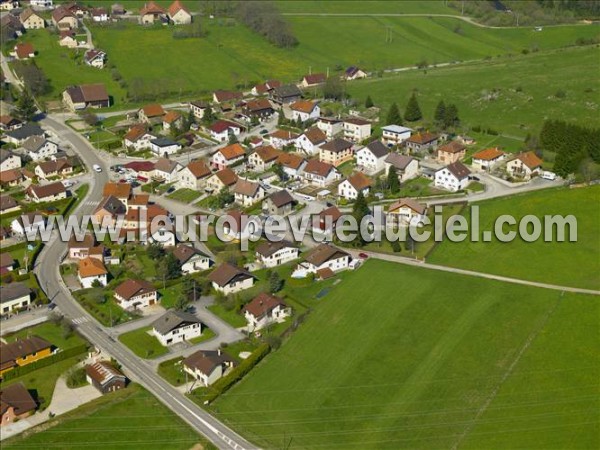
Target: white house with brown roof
(422,142)
(487,159)
(172,119)
(60,167)
(524,165)
(305,110)
(227,156)
(355,183)
(325,256)
(330,126)
(282,138)
(273,254)
(406,211)
(320,173)
(356,129)
(179,14)
(191,259)
(135,294)
(39,148)
(222,130)
(278,203)
(310,141)
(263,158)
(194,176)
(31,20)
(87,247)
(453,177)
(151,13)
(86,96)
(47,193)
(248,192)
(138,138)
(225,178)
(314,79)
(293,165)
(371,158)
(9,160)
(228,279)
(166,170)
(406,166)
(336,152)
(264,310)
(207,366)
(90,271)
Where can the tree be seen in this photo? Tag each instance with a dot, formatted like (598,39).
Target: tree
(360,210)
(90,118)
(233,139)
(394,117)
(155,251)
(224,197)
(26,108)
(451,116)
(369,102)
(34,78)
(333,88)
(588,169)
(209,116)
(392,180)
(280,172)
(413,111)
(275,282)
(395,244)
(170,267)
(440,113)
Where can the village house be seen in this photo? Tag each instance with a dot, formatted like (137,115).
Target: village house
(198,108)
(354,73)
(371,158)
(263,158)
(21,134)
(121,191)
(166,170)
(134,294)
(451,152)
(39,148)
(11,178)
(172,119)
(330,126)
(9,160)
(224,178)
(41,3)
(406,167)
(228,279)
(207,366)
(95,58)
(487,159)
(278,203)
(9,5)
(260,109)
(255,141)
(247,192)
(86,96)
(9,123)
(151,114)
(85,248)
(336,152)
(288,93)
(90,271)
(177,326)
(292,164)
(227,156)
(108,210)
(99,15)
(191,259)
(22,352)
(282,138)
(47,193)
(325,222)
(221,96)
(60,167)
(8,204)
(422,142)
(179,14)
(151,13)
(24,50)
(320,173)
(117,9)
(62,18)
(66,38)
(239,225)
(305,110)
(194,176)
(7,263)
(164,146)
(11,25)
(31,20)
(13,296)
(322,260)
(453,177)
(16,403)
(406,211)
(105,377)
(310,141)
(314,79)
(222,130)
(273,254)
(264,310)
(356,129)
(355,183)
(138,138)
(142,170)
(27,224)
(524,165)
(265,88)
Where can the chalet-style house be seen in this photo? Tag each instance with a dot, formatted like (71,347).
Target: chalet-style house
(305,110)
(9,123)
(273,254)
(194,175)
(406,211)
(105,377)
(248,192)
(371,158)
(263,158)
(310,141)
(265,88)
(312,80)
(86,96)
(229,279)
(324,259)
(47,193)
(39,148)
(354,73)
(260,108)
(278,203)
(134,294)
(224,178)
(422,142)
(451,152)
(138,138)
(356,129)
(453,177)
(227,156)
(14,296)
(191,259)
(355,183)
(21,352)
(320,173)
(487,159)
(330,126)
(288,93)
(265,309)
(292,164)
(179,14)
(282,138)
(336,152)
(16,403)
(207,366)
(524,165)
(95,58)
(176,326)
(90,271)
(406,167)
(222,130)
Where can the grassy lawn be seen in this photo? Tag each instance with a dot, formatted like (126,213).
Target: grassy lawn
(565,263)
(169,295)
(185,195)
(172,371)
(150,425)
(420,362)
(102,306)
(232,317)
(49,331)
(207,335)
(143,344)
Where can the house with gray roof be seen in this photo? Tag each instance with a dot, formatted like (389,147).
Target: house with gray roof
(176,326)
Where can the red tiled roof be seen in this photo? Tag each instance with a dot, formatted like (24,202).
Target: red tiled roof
(489,154)
(153,110)
(24,49)
(232,151)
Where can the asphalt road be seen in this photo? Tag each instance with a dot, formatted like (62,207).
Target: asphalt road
(47,270)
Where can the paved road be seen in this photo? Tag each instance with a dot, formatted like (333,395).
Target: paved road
(47,269)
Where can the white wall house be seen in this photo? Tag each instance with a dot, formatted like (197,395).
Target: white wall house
(207,366)
(164,146)
(273,254)
(356,130)
(406,167)
(406,211)
(453,177)
(191,259)
(264,310)
(9,160)
(227,156)
(305,110)
(310,141)
(371,158)
(331,127)
(133,294)
(91,270)
(39,148)
(325,256)
(350,187)
(229,279)
(395,134)
(487,159)
(176,326)
(14,296)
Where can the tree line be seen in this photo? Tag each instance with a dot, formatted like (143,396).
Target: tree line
(265,19)
(445,116)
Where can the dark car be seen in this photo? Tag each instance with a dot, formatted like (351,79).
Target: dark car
(474,178)
(51,306)
(171,189)
(264,131)
(363,255)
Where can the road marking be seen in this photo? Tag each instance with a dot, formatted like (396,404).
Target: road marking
(79,320)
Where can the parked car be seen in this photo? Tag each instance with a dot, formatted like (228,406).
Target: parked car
(264,131)
(97,168)
(363,255)
(67,183)
(171,189)
(546,175)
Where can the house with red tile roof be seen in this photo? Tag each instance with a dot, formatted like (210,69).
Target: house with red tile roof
(179,14)
(524,165)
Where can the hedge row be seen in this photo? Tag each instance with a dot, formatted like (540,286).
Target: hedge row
(222,385)
(40,363)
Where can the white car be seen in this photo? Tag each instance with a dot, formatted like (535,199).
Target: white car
(97,168)
(67,183)
(548,175)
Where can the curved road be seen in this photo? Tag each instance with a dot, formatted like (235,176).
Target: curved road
(47,271)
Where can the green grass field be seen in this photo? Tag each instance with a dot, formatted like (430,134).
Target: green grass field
(185,195)
(128,419)
(142,343)
(49,331)
(565,263)
(402,357)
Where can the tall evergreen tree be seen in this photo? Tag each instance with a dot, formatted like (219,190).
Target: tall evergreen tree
(392,180)
(394,117)
(451,117)
(413,111)
(360,210)
(368,102)
(26,108)
(440,112)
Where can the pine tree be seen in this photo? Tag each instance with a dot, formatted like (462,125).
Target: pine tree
(26,108)
(413,111)
(394,117)
(392,180)
(360,210)
(275,283)
(440,113)
(451,116)
(209,115)
(369,102)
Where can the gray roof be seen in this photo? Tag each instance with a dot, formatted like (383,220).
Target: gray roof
(399,161)
(378,149)
(281,198)
(34,143)
(164,142)
(287,90)
(27,130)
(173,319)
(337,145)
(4,154)
(12,291)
